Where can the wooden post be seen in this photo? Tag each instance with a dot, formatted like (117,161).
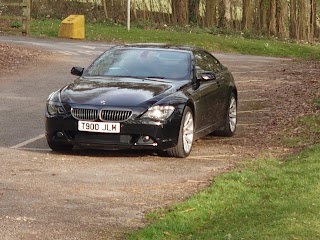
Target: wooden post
(26,17)
(128,15)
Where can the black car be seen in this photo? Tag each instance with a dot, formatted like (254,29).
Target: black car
(144,96)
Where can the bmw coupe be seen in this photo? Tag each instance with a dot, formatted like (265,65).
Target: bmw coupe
(144,96)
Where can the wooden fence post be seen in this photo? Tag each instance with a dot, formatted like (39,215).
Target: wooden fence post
(26,17)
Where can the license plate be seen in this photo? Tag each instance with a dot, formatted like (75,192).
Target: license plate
(99,127)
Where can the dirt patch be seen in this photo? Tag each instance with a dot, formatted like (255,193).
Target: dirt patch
(271,107)
(296,98)
(13,57)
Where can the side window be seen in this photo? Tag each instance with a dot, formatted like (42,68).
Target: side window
(206,62)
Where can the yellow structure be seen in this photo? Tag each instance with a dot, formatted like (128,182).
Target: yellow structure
(72,27)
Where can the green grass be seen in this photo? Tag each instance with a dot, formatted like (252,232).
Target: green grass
(307,132)
(114,33)
(263,199)
(15,24)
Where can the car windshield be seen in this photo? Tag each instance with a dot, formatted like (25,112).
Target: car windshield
(142,63)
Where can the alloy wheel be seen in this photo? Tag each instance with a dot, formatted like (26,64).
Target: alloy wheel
(188,132)
(233,114)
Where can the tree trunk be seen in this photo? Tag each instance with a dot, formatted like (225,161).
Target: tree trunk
(272,17)
(302,20)
(293,19)
(246,15)
(118,10)
(180,11)
(210,13)
(225,17)
(193,11)
(313,20)
(281,18)
(105,9)
(263,26)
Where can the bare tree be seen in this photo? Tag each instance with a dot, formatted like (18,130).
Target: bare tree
(262,24)
(226,17)
(281,16)
(272,17)
(313,20)
(247,15)
(302,20)
(180,11)
(293,19)
(193,11)
(210,13)
(105,8)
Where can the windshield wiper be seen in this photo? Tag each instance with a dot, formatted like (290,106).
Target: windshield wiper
(154,77)
(122,76)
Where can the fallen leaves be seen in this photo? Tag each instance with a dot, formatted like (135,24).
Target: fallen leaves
(12,57)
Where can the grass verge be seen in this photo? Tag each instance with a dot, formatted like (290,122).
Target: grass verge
(306,132)
(263,199)
(114,33)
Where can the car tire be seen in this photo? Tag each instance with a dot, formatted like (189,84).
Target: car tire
(230,126)
(59,147)
(186,136)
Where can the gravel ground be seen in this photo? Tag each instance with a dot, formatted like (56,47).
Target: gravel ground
(12,57)
(101,195)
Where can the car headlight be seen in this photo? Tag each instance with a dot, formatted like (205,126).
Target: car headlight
(55,108)
(160,113)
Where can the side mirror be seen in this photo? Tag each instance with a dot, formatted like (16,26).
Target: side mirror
(205,76)
(77,71)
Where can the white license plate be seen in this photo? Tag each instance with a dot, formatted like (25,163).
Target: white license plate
(100,127)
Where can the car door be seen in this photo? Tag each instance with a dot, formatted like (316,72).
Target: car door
(209,90)
(222,92)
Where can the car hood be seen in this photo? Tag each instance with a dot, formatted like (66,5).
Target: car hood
(118,92)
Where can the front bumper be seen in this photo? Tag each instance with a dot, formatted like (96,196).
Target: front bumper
(134,134)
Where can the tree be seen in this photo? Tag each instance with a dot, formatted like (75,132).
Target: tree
(180,11)
(302,20)
(281,16)
(293,19)
(211,13)
(105,9)
(193,11)
(263,16)
(225,14)
(272,17)
(246,15)
(313,19)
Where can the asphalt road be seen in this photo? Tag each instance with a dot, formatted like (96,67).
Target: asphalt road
(98,194)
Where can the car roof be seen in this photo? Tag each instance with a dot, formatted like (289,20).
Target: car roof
(159,46)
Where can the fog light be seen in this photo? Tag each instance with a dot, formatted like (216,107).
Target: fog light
(60,134)
(146,139)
